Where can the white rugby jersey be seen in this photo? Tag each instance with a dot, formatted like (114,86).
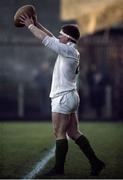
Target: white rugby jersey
(66,66)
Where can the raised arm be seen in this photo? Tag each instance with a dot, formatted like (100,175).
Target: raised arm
(38,30)
(38,25)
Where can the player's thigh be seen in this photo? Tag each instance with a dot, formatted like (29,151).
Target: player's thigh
(60,121)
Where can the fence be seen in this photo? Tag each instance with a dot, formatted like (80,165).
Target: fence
(25,79)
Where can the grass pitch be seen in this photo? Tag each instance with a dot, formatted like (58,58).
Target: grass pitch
(22,145)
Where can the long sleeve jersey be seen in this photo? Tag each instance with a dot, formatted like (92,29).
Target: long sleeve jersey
(66,66)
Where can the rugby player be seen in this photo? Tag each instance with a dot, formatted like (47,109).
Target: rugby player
(63,94)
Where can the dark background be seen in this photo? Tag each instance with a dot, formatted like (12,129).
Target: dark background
(26,68)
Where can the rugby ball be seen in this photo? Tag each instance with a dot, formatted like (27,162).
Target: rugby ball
(26,9)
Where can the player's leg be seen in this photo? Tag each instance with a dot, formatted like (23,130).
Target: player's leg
(80,139)
(60,124)
(73,129)
(83,143)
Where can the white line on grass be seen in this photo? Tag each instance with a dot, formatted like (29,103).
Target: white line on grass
(40,165)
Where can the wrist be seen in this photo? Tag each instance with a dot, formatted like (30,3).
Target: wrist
(30,26)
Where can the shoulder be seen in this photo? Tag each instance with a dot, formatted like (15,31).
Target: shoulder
(72,49)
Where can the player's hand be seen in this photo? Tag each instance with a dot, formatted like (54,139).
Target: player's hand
(26,20)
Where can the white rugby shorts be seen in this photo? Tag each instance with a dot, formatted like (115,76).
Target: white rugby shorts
(66,103)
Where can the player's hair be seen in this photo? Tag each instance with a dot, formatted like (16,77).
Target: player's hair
(72,31)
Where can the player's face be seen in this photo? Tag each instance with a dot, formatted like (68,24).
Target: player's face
(62,38)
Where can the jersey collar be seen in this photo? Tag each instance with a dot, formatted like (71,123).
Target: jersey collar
(71,44)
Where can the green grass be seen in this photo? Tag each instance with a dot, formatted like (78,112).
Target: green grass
(23,144)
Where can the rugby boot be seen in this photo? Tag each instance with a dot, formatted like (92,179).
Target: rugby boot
(96,164)
(60,156)
(97,167)
(55,172)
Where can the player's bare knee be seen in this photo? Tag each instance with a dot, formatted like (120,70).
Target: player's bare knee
(71,137)
(73,134)
(70,134)
(60,133)
(57,131)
